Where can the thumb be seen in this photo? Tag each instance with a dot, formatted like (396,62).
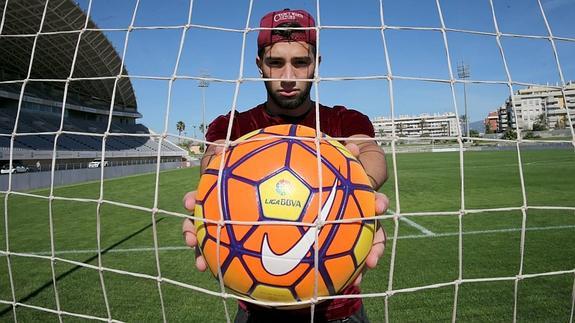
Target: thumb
(353,148)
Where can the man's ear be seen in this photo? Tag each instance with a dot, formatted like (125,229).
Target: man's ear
(259,64)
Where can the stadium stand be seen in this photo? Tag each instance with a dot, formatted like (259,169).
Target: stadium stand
(32,92)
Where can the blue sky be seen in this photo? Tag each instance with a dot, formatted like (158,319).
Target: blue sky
(345,53)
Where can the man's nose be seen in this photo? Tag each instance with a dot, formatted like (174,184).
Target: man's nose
(288,73)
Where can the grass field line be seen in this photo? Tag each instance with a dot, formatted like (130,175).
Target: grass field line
(414,236)
(417,226)
(412,223)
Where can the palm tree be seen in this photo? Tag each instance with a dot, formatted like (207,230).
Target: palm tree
(444,129)
(422,123)
(463,120)
(381,135)
(400,128)
(180,126)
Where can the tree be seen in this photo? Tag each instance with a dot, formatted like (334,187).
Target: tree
(473,133)
(530,135)
(444,129)
(400,127)
(422,123)
(509,134)
(180,126)
(381,134)
(463,120)
(540,123)
(561,122)
(194,127)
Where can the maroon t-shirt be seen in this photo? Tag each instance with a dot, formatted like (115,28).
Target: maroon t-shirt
(335,122)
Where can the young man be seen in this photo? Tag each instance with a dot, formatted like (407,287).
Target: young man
(289,57)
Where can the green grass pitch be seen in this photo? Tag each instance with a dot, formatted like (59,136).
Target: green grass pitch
(427,248)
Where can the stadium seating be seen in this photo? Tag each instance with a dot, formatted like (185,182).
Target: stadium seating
(34,126)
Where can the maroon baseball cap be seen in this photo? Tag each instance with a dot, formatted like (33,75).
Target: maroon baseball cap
(295,18)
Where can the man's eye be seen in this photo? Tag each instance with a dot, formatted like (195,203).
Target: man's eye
(301,62)
(274,63)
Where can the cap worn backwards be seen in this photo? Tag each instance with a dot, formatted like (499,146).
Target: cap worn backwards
(286,18)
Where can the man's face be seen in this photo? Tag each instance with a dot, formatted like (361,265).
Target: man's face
(288,61)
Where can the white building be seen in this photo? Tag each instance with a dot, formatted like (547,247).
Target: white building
(540,103)
(424,125)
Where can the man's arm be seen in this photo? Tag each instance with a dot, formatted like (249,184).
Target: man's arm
(211,152)
(371,157)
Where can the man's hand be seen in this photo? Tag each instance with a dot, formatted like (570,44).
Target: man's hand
(189,231)
(379,239)
(381,203)
(188,228)
(375,253)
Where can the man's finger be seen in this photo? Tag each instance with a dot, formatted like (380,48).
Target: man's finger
(190,201)
(201,263)
(200,260)
(218,150)
(381,203)
(357,281)
(372,259)
(189,232)
(377,249)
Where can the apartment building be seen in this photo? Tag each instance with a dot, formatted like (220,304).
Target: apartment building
(537,104)
(491,123)
(424,125)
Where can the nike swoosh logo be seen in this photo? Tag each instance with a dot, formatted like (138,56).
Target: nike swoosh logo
(282,264)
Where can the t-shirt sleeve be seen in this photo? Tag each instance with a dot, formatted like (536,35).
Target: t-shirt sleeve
(354,122)
(218,129)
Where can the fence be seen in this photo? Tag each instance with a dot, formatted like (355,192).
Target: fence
(36,180)
(495,147)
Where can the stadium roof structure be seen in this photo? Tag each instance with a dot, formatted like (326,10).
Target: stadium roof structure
(97,64)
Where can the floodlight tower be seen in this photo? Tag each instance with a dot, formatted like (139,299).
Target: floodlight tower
(463,73)
(203,84)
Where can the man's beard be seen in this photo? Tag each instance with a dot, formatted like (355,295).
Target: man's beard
(289,103)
